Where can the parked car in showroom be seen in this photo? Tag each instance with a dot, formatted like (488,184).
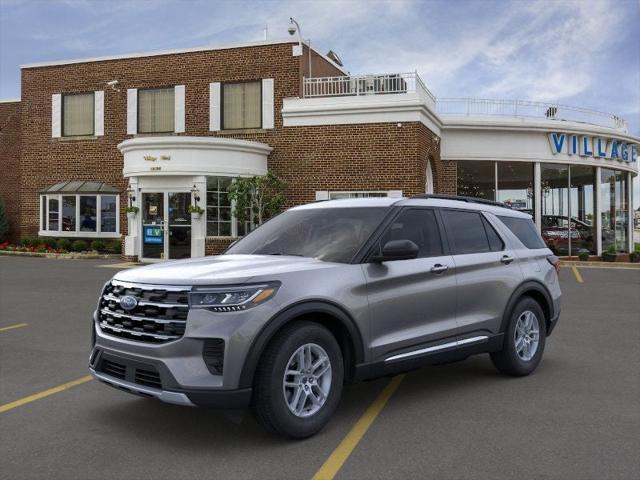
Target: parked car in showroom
(330,293)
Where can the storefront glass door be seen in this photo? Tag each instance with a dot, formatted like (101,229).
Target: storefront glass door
(166,226)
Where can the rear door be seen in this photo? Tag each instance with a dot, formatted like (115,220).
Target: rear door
(486,271)
(411,302)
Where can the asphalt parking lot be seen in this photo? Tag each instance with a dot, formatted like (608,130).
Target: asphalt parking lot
(577,417)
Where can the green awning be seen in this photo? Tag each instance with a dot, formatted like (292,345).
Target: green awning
(81,186)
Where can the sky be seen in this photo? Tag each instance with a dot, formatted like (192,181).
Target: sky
(578,52)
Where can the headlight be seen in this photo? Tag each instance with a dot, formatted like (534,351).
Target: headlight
(231,299)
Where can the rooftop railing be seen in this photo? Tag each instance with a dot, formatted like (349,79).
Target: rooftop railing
(401,83)
(528,109)
(357,85)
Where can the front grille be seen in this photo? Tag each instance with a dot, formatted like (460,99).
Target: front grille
(213,355)
(114,369)
(148,378)
(147,375)
(160,315)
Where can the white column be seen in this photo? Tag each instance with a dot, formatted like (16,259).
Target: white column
(598,213)
(56,115)
(98,111)
(132,111)
(132,241)
(537,196)
(199,226)
(630,210)
(179,100)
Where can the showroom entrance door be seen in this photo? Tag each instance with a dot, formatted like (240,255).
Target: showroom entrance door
(166,226)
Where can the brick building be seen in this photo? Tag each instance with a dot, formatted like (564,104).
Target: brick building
(163,130)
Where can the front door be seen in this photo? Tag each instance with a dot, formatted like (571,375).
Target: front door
(412,302)
(166,226)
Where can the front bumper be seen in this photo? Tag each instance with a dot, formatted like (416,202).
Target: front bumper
(124,373)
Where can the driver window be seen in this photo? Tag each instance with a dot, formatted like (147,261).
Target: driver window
(419,226)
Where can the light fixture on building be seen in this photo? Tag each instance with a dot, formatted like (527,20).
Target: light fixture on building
(132,196)
(294,27)
(195,193)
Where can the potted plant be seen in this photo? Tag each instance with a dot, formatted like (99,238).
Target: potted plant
(583,255)
(635,255)
(131,212)
(610,255)
(195,211)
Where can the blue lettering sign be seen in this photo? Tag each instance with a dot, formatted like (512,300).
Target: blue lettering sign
(624,153)
(586,147)
(573,149)
(153,235)
(557,142)
(634,153)
(601,147)
(614,149)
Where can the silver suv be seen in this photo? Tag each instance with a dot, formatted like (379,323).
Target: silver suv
(326,294)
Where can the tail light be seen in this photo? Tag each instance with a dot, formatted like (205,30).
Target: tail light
(555,261)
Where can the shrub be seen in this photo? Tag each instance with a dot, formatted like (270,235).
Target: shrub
(583,255)
(114,247)
(27,241)
(98,245)
(79,246)
(64,244)
(46,242)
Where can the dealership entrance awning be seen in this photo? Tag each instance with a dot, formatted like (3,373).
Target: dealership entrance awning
(81,186)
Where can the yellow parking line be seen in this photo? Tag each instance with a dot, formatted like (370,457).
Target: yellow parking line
(334,463)
(37,396)
(11,327)
(120,265)
(576,273)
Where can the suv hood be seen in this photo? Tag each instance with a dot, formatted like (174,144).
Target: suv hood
(221,269)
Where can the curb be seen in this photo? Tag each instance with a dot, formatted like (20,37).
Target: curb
(612,265)
(63,256)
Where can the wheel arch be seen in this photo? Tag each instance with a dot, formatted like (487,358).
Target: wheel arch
(324,312)
(539,293)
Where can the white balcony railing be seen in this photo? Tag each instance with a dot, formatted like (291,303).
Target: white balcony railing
(402,83)
(525,108)
(357,85)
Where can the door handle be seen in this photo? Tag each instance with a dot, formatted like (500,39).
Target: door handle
(506,259)
(438,268)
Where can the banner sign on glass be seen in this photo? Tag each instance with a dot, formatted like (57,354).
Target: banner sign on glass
(152,235)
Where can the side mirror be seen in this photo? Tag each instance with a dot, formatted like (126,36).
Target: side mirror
(397,250)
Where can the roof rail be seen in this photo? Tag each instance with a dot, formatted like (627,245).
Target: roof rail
(461,199)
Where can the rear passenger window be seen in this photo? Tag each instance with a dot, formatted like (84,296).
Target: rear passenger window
(495,242)
(419,226)
(466,231)
(525,230)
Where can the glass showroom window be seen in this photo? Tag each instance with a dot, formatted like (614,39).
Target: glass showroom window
(515,185)
(614,210)
(581,205)
(80,215)
(555,207)
(241,105)
(77,114)
(477,179)
(156,110)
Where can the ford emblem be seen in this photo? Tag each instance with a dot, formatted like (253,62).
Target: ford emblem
(128,302)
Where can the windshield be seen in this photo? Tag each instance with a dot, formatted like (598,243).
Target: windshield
(329,234)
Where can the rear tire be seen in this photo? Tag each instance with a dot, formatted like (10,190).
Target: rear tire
(524,340)
(300,404)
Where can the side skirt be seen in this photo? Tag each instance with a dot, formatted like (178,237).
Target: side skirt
(447,352)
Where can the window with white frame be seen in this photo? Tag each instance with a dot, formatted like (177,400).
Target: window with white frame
(156,110)
(78,114)
(79,215)
(241,105)
(221,219)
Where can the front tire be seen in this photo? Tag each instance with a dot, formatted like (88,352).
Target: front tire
(524,340)
(298,382)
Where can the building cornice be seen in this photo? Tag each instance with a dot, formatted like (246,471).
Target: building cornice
(126,56)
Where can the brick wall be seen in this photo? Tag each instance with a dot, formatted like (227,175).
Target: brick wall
(339,157)
(10,161)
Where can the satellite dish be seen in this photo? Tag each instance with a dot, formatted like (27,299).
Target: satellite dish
(333,56)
